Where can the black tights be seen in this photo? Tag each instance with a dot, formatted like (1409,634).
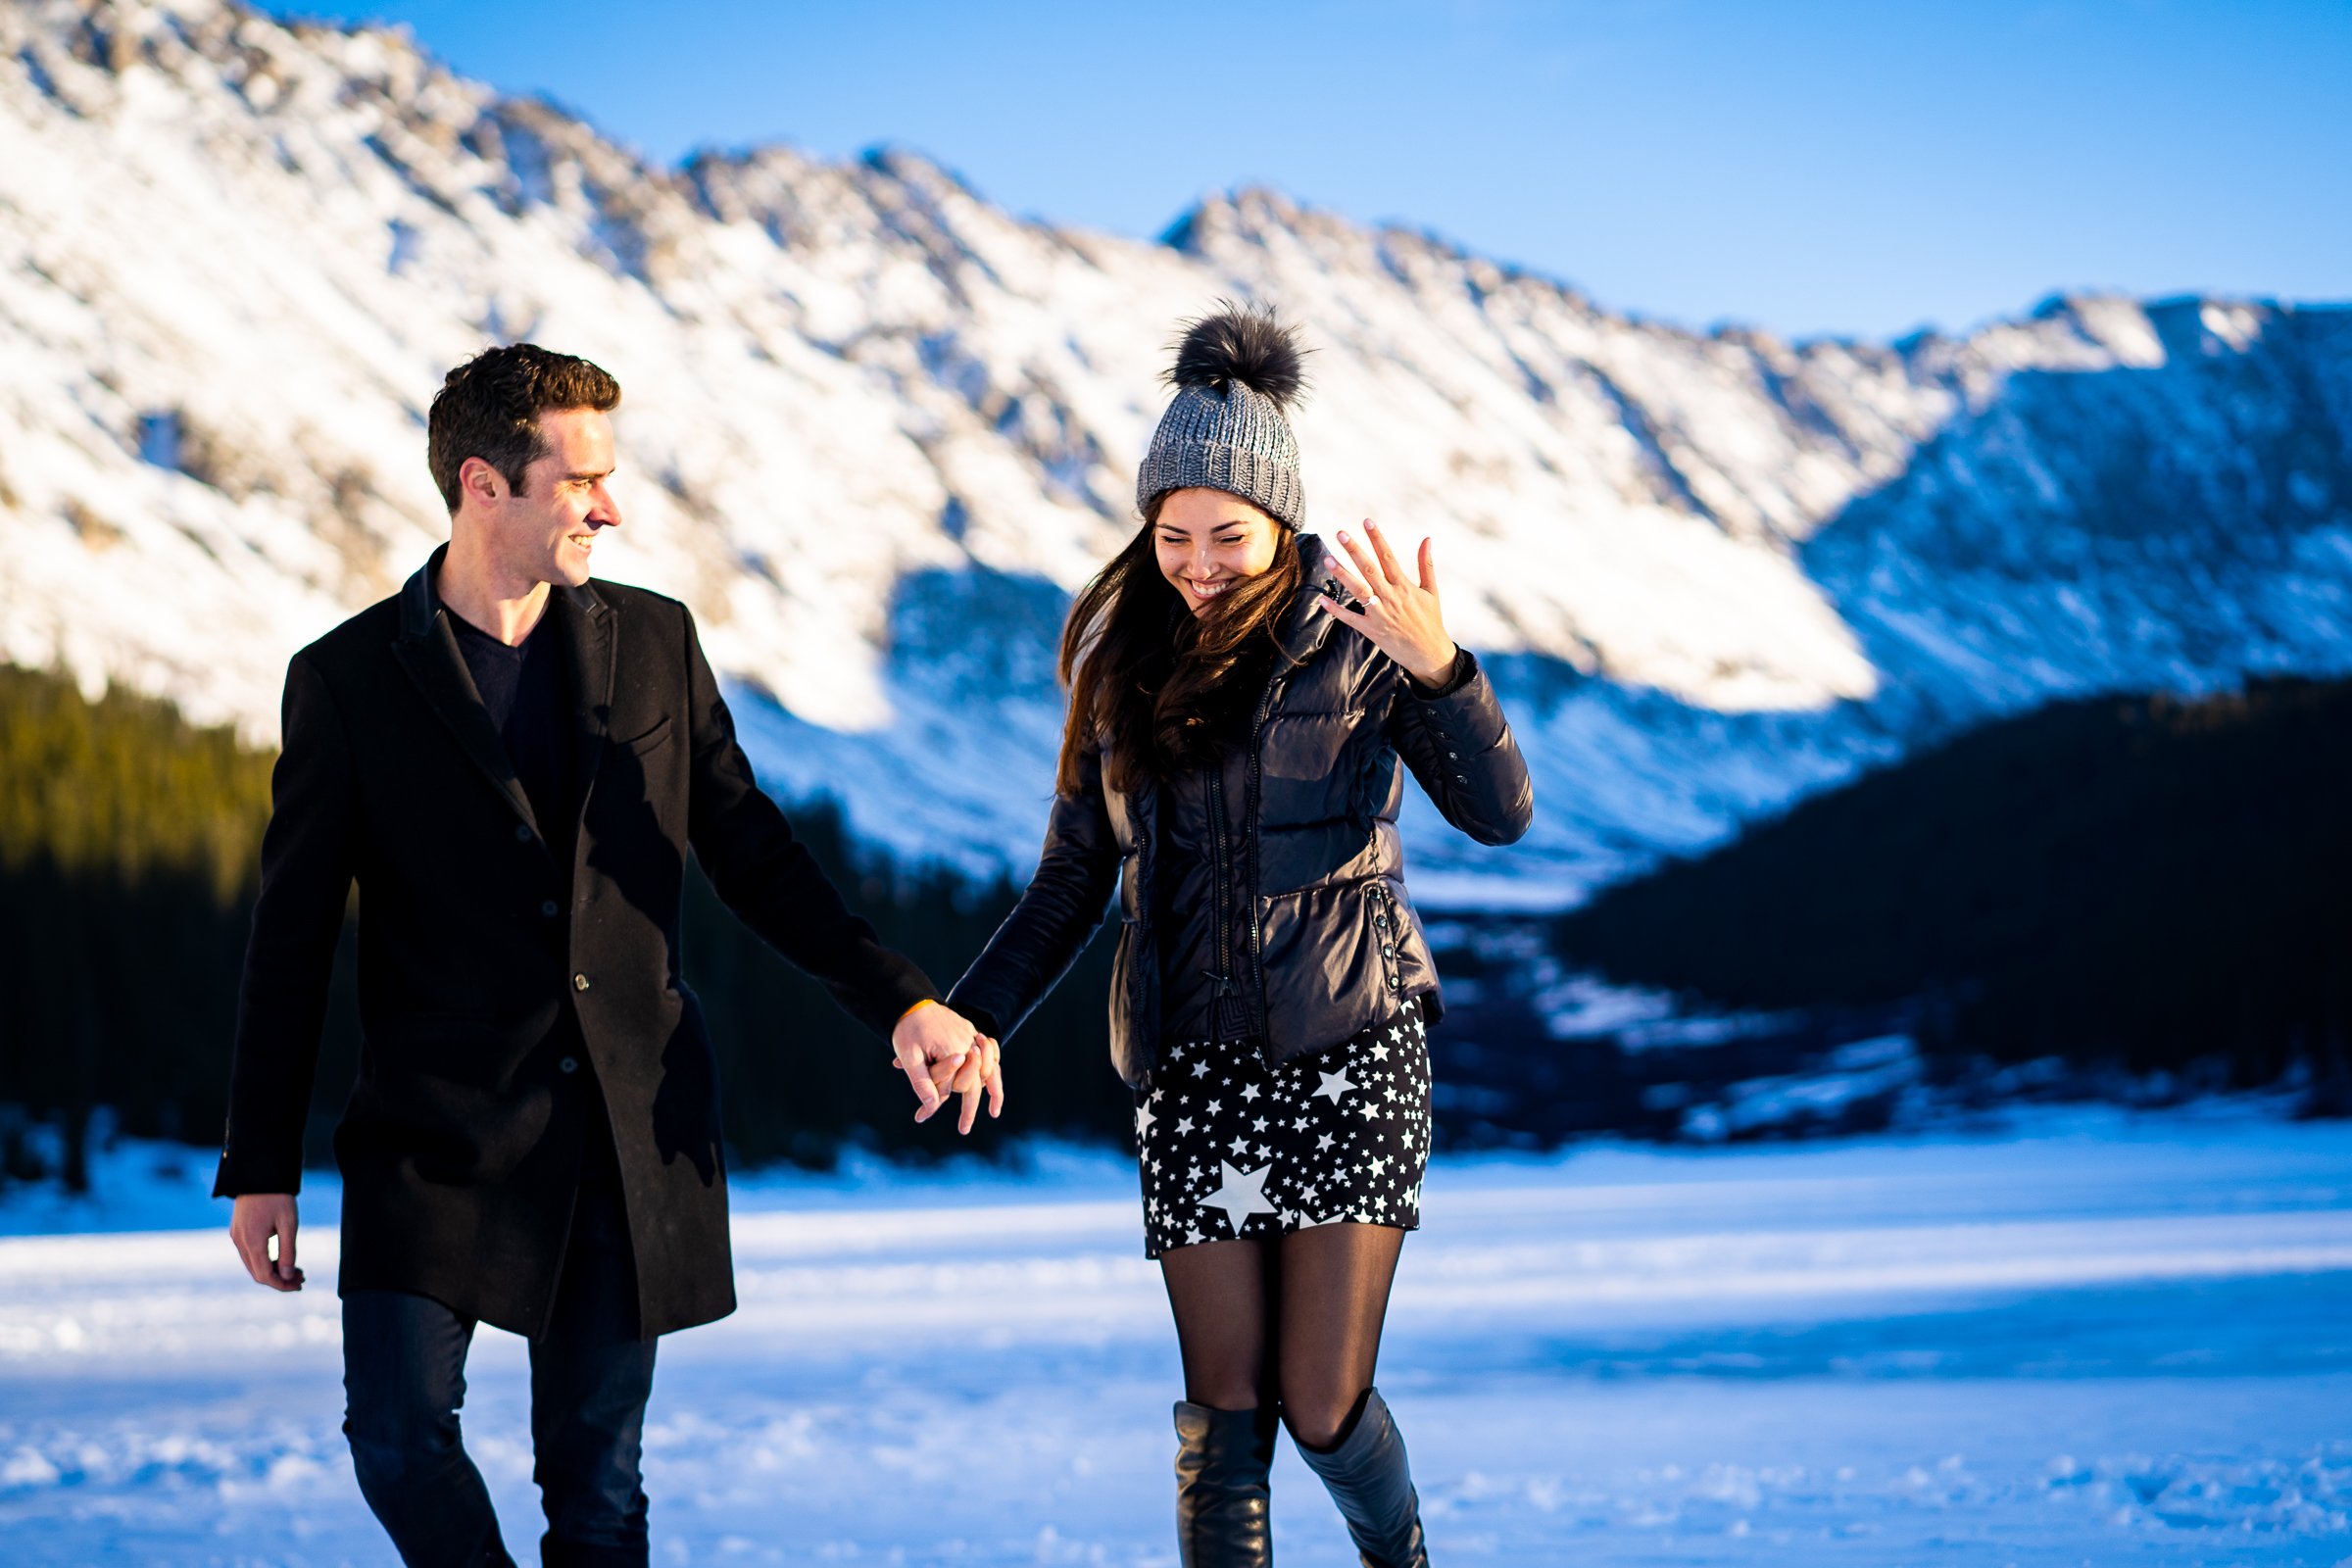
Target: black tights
(1292,1320)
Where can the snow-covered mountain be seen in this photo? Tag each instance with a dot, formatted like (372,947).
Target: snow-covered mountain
(876,429)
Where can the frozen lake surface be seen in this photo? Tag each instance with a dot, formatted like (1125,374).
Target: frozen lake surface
(2099,1339)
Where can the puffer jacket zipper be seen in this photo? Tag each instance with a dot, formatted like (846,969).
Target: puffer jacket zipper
(1223,973)
(1257,730)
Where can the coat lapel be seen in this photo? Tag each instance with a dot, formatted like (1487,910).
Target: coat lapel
(427,649)
(590,647)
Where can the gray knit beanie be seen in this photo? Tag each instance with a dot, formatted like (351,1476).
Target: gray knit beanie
(1236,371)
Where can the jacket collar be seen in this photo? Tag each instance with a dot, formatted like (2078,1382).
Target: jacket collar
(1303,628)
(420,600)
(427,649)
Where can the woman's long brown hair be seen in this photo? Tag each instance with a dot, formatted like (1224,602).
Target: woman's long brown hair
(1159,687)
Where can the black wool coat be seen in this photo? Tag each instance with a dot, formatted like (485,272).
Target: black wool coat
(485,970)
(1299,904)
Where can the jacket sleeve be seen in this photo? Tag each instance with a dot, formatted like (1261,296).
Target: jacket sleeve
(1059,909)
(307,860)
(766,875)
(1460,746)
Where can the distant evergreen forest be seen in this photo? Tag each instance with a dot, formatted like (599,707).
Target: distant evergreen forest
(2142,881)
(129,854)
(2139,881)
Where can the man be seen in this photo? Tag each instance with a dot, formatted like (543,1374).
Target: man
(511,762)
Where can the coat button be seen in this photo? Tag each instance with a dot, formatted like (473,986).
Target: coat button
(549,907)
(1454,756)
(569,1064)
(522,833)
(1388,949)
(1461,778)
(579,982)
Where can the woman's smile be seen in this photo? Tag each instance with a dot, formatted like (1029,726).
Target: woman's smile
(1207,588)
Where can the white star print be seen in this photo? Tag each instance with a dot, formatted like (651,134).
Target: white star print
(1143,1119)
(1334,1085)
(1359,1166)
(1240,1195)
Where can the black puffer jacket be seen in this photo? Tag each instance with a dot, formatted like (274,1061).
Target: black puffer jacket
(1307,901)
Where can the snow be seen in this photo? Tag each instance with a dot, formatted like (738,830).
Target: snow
(2098,1337)
(1714,573)
(1862,1070)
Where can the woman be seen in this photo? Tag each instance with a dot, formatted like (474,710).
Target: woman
(1239,702)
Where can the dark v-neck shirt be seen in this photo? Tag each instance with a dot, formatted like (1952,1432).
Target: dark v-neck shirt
(527,690)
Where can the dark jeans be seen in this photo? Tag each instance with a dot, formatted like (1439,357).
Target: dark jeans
(403,1380)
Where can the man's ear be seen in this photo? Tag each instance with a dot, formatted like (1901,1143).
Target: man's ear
(481,480)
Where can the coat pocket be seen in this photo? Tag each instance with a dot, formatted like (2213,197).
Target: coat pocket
(474,1049)
(647,740)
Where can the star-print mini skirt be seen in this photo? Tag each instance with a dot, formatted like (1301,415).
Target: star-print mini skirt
(1230,1146)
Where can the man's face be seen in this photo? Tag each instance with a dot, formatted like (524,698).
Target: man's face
(547,529)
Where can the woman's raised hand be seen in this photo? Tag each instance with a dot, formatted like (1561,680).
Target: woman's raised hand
(1399,613)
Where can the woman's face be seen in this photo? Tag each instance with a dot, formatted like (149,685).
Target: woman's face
(1207,540)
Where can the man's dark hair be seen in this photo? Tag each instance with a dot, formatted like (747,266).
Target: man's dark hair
(489,408)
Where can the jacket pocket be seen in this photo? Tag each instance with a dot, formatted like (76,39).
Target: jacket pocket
(470,1048)
(647,740)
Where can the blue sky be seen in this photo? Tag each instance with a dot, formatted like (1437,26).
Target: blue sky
(1806,167)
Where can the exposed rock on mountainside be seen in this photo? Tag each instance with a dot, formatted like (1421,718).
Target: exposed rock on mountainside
(876,429)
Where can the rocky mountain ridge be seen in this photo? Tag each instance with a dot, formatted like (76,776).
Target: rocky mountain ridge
(876,429)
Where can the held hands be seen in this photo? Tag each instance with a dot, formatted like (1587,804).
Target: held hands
(1399,615)
(939,1050)
(255,1219)
(942,1054)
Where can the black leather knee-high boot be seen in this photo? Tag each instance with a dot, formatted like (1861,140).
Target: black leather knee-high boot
(1222,1459)
(1369,1479)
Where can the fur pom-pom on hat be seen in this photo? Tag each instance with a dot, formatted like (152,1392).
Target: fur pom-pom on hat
(1241,344)
(1237,370)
